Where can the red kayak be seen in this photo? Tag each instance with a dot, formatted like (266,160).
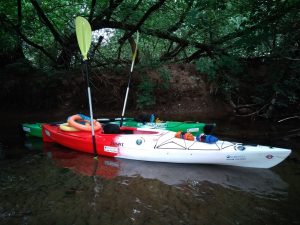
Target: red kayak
(106,144)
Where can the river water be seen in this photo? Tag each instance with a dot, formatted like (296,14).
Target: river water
(49,184)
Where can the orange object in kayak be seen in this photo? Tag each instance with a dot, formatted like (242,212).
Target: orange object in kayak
(84,127)
(184,135)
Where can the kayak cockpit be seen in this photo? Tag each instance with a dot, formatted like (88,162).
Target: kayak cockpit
(115,129)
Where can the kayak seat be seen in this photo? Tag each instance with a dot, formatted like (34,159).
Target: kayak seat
(111,129)
(115,129)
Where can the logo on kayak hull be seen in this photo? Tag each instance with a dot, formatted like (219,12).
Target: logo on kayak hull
(115,143)
(269,156)
(236,157)
(111,149)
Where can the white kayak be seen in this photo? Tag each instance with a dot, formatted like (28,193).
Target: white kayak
(167,148)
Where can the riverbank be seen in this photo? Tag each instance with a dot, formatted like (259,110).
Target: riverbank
(166,90)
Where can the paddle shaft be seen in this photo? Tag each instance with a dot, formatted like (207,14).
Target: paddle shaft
(86,71)
(129,80)
(126,97)
(84,39)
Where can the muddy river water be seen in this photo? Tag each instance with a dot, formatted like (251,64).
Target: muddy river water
(49,184)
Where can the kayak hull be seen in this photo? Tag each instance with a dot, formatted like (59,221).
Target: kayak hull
(162,146)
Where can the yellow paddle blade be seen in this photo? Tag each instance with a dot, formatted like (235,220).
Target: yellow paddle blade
(136,47)
(84,35)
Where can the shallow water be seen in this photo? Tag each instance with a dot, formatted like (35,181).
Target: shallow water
(49,184)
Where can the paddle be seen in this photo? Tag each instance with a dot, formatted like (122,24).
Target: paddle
(108,120)
(129,80)
(84,39)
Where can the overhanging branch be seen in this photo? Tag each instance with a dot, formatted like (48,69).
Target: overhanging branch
(24,38)
(142,20)
(47,22)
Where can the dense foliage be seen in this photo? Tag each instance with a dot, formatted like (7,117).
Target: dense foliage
(232,43)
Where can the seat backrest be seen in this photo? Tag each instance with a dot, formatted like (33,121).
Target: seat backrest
(111,129)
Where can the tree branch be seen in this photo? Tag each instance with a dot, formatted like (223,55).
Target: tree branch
(142,20)
(100,39)
(133,9)
(47,22)
(266,21)
(152,32)
(173,53)
(106,13)
(176,26)
(92,10)
(24,38)
(19,13)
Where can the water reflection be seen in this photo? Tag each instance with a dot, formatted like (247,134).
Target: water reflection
(2,151)
(33,144)
(260,182)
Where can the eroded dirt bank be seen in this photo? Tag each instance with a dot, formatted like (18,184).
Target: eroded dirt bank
(176,90)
